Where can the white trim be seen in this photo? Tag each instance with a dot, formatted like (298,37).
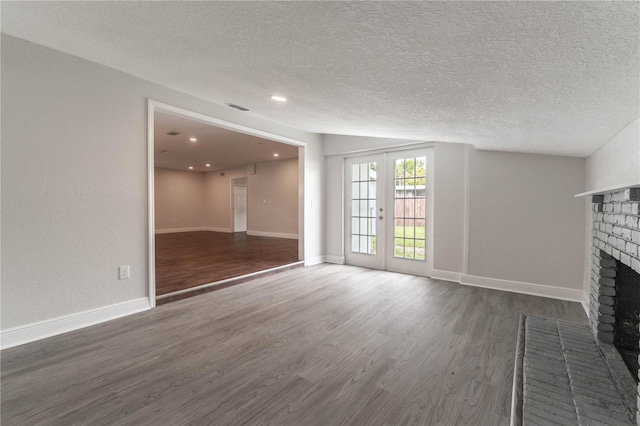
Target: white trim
(467,192)
(383,150)
(338,260)
(214,229)
(225,124)
(455,277)
(153,106)
(561,293)
(197,228)
(614,188)
(314,261)
(273,234)
(585,302)
(41,330)
(176,230)
(217,283)
(151,206)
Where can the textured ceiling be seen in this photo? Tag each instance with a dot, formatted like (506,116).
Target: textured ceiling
(546,77)
(223,149)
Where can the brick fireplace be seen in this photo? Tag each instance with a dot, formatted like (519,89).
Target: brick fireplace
(615,242)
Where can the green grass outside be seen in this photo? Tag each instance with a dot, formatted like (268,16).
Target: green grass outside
(410,247)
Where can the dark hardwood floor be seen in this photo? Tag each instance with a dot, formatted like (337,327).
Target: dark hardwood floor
(189,259)
(325,345)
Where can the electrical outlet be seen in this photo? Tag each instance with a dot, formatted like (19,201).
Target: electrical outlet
(124,272)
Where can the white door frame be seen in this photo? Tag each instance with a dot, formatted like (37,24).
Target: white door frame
(233,202)
(385,188)
(152,107)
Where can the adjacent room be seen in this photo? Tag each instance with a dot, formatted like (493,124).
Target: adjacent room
(225,206)
(410,212)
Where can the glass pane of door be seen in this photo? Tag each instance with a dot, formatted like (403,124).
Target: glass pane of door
(363,207)
(410,208)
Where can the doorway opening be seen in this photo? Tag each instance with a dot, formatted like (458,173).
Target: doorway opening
(225,203)
(239,204)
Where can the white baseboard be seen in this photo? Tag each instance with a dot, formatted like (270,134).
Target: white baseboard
(214,229)
(571,294)
(273,234)
(338,260)
(40,330)
(585,303)
(437,274)
(174,230)
(314,261)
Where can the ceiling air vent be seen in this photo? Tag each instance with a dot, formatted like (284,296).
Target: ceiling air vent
(173,133)
(238,107)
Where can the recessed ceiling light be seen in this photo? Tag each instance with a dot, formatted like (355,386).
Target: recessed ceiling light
(190,167)
(276,154)
(278,98)
(208,165)
(193,139)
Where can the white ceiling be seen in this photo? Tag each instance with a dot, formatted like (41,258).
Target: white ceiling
(546,77)
(222,149)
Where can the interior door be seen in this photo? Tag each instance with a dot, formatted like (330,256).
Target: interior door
(239,208)
(388,209)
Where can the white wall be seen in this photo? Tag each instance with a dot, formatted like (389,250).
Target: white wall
(273,199)
(74,181)
(525,224)
(179,199)
(449,207)
(617,163)
(313,239)
(275,182)
(334,208)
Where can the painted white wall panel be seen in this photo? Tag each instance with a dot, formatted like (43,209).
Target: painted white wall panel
(617,163)
(74,181)
(273,197)
(179,199)
(525,224)
(449,202)
(314,200)
(334,212)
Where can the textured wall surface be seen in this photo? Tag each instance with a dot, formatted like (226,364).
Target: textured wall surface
(545,77)
(74,181)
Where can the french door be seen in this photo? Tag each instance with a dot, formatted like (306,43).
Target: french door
(389,211)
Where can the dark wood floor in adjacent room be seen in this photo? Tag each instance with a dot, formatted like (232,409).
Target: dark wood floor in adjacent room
(189,259)
(324,345)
